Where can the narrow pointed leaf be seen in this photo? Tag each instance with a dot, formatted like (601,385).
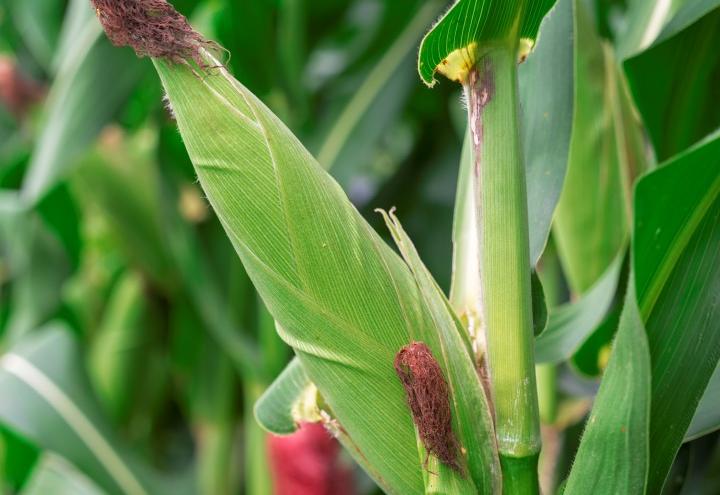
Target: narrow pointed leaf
(606,152)
(613,453)
(471,412)
(546,104)
(570,324)
(92,82)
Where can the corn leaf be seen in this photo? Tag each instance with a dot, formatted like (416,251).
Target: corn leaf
(613,453)
(52,405)
(342,297)
(675,297)
(676,256)
(55,475)
(37,267)
(606,152)
(470,22)
(570,324)
(276,410)
(675,109)
(471,413)
(93,80)
(546,103)
(645,21)
(120,355)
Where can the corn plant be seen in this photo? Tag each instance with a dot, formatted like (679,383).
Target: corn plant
(575,351)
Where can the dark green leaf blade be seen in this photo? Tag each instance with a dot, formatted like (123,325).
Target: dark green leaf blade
(677,257)
(679,111)
(613,453)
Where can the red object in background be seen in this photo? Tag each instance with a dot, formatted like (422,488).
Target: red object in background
(308,463)
(17,92)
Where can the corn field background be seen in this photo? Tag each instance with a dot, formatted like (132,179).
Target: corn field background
(136,354)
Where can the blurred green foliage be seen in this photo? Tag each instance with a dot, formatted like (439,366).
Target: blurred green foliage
(119,288)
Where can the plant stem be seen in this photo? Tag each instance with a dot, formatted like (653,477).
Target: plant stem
(501,198)
(547,392)
(257,470)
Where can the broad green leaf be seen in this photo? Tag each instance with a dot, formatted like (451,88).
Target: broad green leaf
(570,324)
(56,476)
(280,408)
(452,44)
(707,414)
(606,153)
(613,455)
(669,216)
(328,279)
(92,82)
(471,412)
(675,291)
(679,111)
(676,255)
(52,405)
